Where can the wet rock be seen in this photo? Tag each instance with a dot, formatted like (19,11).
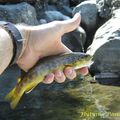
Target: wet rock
(89,11)
(18,13)
(115,4)
(17,1)
(63,2)
(8,80)
(51,8)
(42,21)
(106,47)
(52,5)
(107,7)
(75,40)
(75,2)
(50,16)
(104,8)
(65,10)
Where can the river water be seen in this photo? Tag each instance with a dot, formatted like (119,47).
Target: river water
(73,100)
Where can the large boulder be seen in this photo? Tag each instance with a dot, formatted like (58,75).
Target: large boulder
(106,48)
(89,14)
(107,7)
(18,13)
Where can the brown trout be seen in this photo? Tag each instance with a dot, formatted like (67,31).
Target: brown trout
(45,66)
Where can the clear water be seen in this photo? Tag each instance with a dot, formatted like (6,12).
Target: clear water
(73,100)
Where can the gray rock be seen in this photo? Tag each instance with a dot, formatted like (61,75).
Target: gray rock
(16,1)
(104,8)
(63,2)
(115,4)
(75,2)
(89,11)
(50,16)
(65,10)
(51,8)
(18,13)
(75,40)
(107,7)
(8,80)
(106,48)
(42,21)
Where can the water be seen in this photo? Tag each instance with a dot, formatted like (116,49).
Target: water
(73,100)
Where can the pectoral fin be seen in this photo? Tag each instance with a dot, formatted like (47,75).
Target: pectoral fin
(30,88)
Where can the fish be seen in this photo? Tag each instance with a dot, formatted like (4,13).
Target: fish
(45,66)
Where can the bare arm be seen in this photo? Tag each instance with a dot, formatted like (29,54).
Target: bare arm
(6,49)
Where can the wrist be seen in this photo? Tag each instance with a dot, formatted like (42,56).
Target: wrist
(25,37)
(27,56)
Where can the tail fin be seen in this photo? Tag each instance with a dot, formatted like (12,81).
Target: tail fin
(13,97)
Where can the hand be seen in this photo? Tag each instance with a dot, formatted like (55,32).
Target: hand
(45,40)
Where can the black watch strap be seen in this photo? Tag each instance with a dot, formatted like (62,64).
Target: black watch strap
(16,38)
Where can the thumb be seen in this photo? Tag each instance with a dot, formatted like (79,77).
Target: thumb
(72,24)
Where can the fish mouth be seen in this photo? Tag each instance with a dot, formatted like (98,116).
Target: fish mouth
(85,63)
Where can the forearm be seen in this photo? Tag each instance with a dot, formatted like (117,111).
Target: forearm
(6,49)
(6,46)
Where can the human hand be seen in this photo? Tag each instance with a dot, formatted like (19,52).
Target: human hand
(45,40)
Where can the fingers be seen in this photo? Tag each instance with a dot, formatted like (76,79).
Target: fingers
(49,78)
(83,71)
(70,73)
(60,76)
(72,24)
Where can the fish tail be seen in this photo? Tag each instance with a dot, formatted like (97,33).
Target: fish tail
(13,97)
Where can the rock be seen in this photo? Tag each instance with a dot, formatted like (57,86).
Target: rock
(107,7)
(51,8)
(17,1)
(75,40)
(63,2)
(115,4)
(18,13)
(60,2)
(89,11)
(75,2)
(8,80)
(52,5)
(42,21)
(50,16)
(65,10)
(104,8)
(116,13)
(106,48)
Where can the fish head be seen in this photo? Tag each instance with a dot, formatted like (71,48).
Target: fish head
(82,60)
